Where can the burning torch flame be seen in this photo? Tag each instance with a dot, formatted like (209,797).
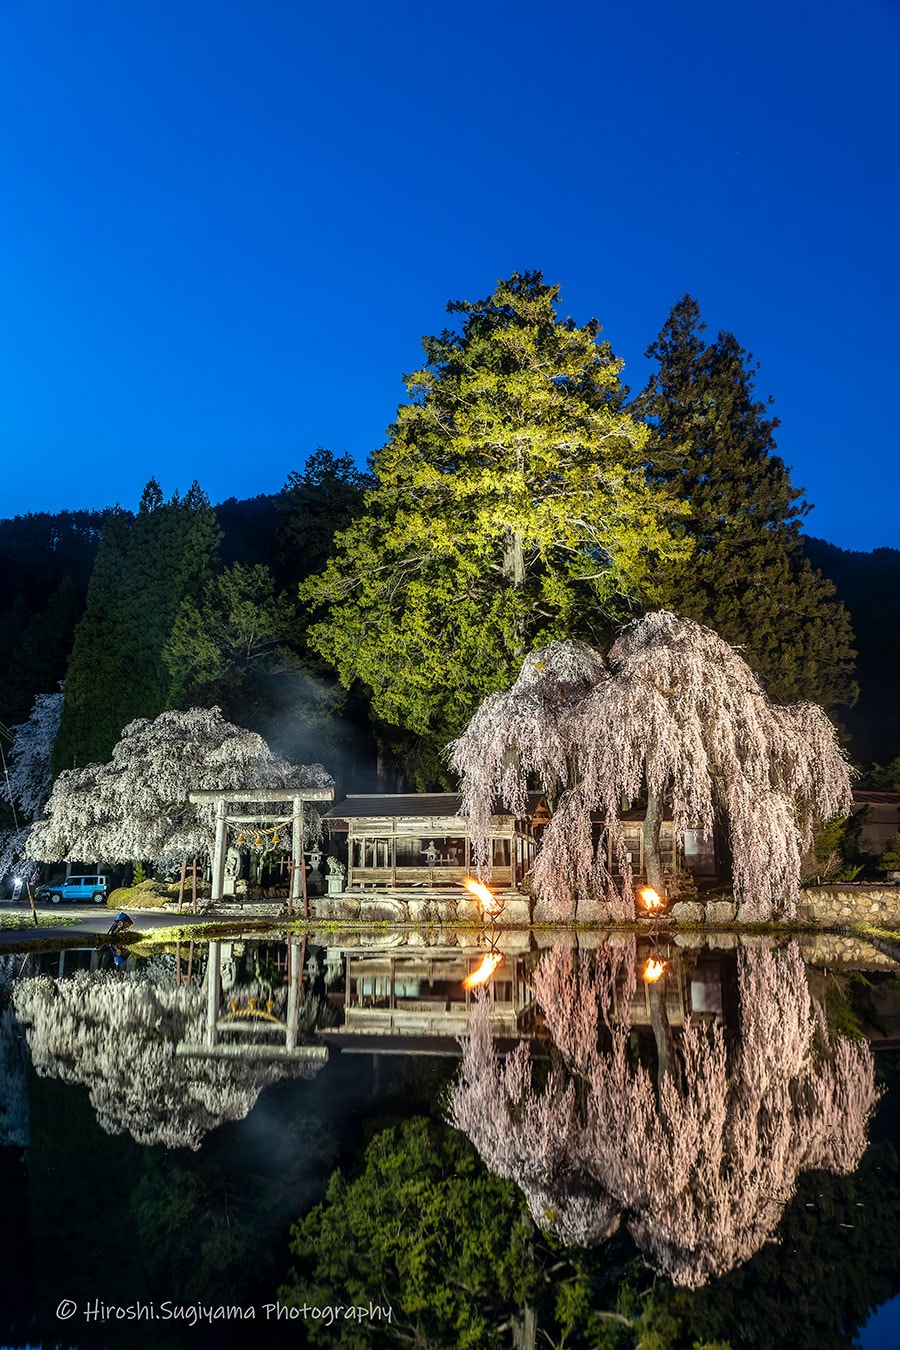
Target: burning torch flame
(489,902)
(654,970)
(484,972)
(651,898)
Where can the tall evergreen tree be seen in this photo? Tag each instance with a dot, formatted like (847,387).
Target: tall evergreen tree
(315,506)
(746,576)
(511,492)
(145,568)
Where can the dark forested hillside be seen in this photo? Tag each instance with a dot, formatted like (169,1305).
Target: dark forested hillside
(46,562)
(869,585)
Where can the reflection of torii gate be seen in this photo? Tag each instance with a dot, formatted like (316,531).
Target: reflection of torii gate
(251,1022)
(272,797)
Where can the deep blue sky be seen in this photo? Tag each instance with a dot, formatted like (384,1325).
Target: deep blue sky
(224,227)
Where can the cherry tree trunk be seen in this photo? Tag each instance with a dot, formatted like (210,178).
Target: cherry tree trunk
(662,1032)
(652,857)
(524,1329)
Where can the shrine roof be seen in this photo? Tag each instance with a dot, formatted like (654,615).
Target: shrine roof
(395,804)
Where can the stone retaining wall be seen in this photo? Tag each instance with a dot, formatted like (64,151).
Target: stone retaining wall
(850,904)
(828,906)
(833,949)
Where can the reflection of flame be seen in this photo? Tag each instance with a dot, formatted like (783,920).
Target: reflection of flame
(484,972)
(651,898)
(654,970)
(489,902)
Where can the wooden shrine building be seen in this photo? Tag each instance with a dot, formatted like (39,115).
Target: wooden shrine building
(401,840)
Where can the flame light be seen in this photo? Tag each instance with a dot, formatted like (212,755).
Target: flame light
(484,972)
(654,970)
(652,900)
(489,902)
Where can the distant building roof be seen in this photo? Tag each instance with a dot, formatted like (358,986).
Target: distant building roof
(876,798)
(395,804)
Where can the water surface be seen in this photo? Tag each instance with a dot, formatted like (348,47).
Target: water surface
(580,1154)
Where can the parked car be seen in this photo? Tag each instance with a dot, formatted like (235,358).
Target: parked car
(94,888)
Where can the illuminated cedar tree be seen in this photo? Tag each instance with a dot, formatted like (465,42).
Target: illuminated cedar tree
(136,805)
(510,500)
(701,1165)
(678,718)
(746,575)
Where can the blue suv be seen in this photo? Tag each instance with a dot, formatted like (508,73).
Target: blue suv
(94,888)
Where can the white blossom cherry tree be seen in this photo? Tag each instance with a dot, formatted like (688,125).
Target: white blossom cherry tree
(674,716)
(699,1164)
(136,805)
(29,780)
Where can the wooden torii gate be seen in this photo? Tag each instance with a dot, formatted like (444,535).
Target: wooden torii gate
(295,797)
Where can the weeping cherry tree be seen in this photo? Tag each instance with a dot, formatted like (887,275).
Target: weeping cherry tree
(28,779)
(674,717)
(136,805)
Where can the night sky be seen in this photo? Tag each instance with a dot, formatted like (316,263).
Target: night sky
(224,227)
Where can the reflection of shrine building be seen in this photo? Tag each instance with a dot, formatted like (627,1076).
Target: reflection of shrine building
(251,1027)
(702,985)
(420,839)
(422,995)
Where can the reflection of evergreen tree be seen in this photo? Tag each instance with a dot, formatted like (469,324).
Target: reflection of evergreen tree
(78,1222)
(423,1228)
(217,1222)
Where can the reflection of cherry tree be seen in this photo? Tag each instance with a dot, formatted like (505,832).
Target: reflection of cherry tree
(117,1034)
(676,717)
(699,1165)
(14,1112)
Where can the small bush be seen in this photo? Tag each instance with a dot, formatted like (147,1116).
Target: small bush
(145,895)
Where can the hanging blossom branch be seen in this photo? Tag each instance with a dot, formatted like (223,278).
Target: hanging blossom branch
(700,1166)
(29,779)
(677,713)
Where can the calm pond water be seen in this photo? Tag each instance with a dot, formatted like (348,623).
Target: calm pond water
(634,1143)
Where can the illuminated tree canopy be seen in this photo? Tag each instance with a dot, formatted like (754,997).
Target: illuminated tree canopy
(675,716)
(510,501)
